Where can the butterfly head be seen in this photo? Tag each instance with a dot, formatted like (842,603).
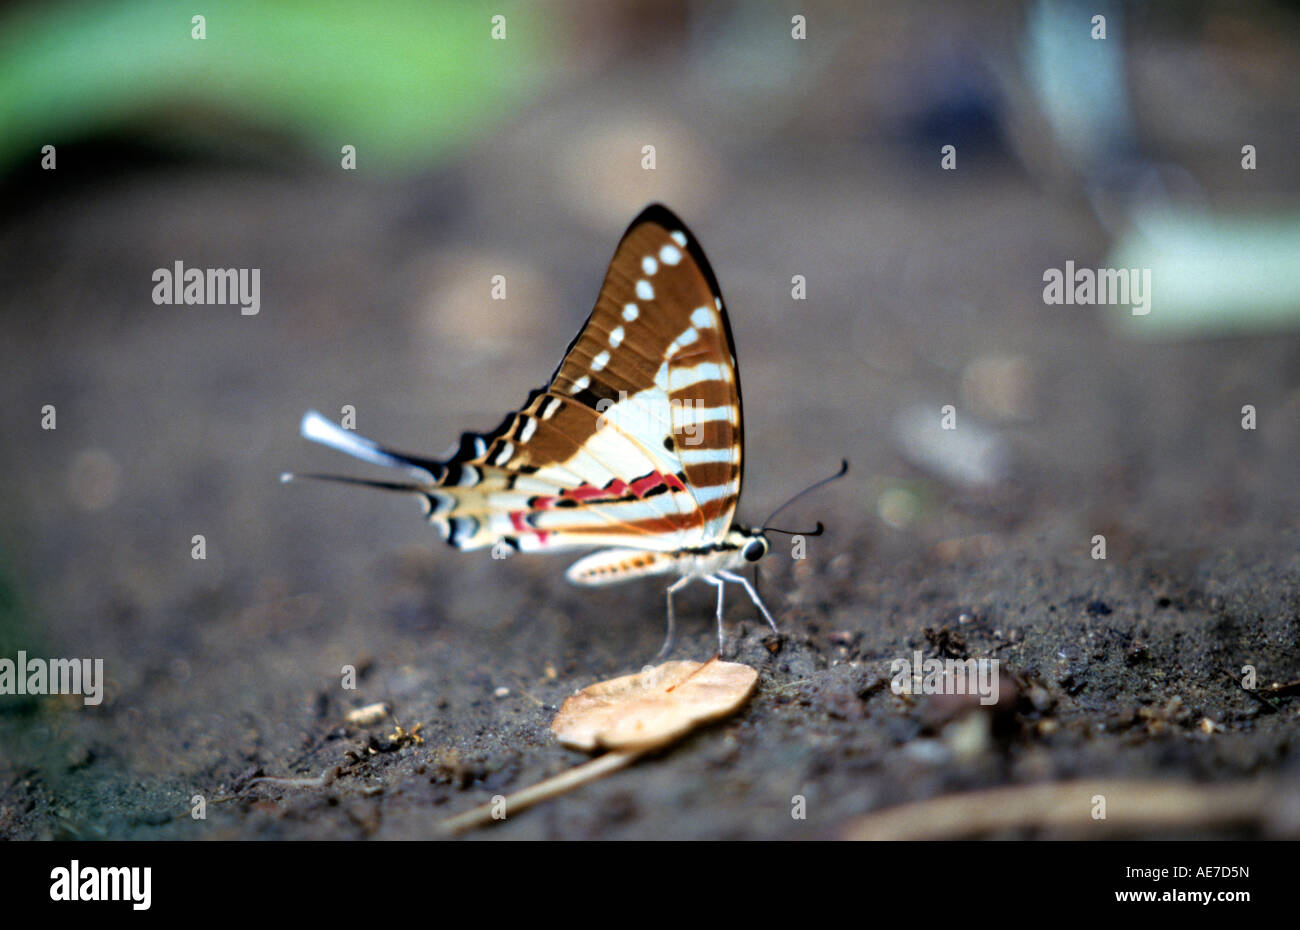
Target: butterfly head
(748,545)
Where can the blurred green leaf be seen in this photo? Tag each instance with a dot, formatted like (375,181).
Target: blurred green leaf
(406,82)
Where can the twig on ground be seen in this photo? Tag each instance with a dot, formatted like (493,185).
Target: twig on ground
(1074,808)
(542,791)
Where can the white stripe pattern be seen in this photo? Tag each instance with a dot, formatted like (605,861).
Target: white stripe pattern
(691,456)
(682,377)
(710,493)
(686,413)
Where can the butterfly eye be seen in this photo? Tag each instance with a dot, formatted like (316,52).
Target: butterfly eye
(755,551)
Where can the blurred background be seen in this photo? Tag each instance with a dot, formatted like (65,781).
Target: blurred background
(509,139)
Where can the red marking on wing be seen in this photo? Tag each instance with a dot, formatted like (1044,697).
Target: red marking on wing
(519,522)
(643,486)
(669,523)
(615,490)
(584,492)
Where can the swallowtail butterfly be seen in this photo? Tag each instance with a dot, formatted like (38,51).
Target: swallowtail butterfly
(635,443)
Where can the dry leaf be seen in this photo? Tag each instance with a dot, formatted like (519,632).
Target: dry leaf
(629,716)
(654,707)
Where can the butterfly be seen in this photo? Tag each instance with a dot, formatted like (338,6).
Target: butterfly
(635,444)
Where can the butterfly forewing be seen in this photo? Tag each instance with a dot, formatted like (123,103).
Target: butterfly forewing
(656,356)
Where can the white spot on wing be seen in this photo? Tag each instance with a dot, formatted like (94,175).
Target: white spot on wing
(616,337)
(442,502)
(580,385)
(526,433)
(684,339)
(679,237)
(600,361)
(649,265)
(701,317)
(630,312)
(669,255)
(644,290)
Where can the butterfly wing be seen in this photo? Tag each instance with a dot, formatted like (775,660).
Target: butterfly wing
(657,357)
(636,441)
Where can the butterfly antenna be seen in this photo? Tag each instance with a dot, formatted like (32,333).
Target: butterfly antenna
(817,532)
(844,468)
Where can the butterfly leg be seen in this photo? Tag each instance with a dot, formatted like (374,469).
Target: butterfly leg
(668,640)
(722,585)
(753,595)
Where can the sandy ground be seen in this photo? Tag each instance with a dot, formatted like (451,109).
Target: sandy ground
(176,421)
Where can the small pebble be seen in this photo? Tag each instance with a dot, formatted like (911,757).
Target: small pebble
(370,714)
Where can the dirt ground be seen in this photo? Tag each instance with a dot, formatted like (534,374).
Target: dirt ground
(177,421)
